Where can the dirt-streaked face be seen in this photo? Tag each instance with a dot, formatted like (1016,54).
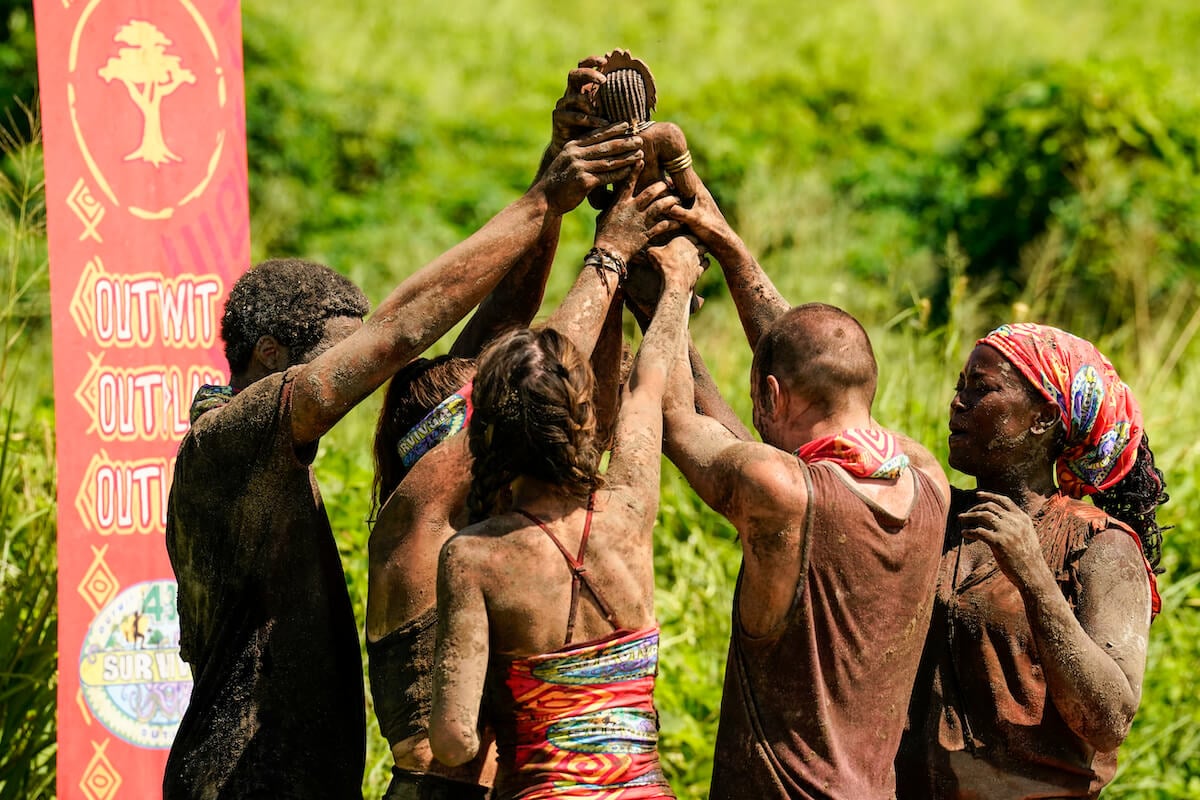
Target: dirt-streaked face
(992,416)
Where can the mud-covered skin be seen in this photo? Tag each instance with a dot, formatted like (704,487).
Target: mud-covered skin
(350,362)
(265,618)
(1096,691)
(428,506)
(1091,647)
(985,718)
(431,301)
(661,142)
(503,589)
(761,487)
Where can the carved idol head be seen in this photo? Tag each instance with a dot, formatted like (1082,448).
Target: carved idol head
(628,94)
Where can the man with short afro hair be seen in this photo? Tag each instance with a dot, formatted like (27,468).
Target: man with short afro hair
(290,299)
(277,707)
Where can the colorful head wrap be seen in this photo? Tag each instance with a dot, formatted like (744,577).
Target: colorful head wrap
(1102,419)
(863,452)
(446,419)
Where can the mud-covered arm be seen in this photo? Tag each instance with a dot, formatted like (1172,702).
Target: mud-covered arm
(636,459)
(516,299)
(676,160)
(622,230)
(705,450)
(757,300)
(708,398)
(427,304)
(461,657)
(606,366)
(1093,658)
(760,489)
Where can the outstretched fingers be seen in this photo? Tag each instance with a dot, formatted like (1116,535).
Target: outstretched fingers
(606,134)
(662,227)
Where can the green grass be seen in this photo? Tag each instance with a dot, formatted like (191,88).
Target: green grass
(839,137)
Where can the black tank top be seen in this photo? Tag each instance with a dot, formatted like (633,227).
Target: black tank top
(400,666)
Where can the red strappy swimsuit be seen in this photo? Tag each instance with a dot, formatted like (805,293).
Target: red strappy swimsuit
(582,721)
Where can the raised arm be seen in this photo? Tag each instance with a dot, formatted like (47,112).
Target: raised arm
(757,300)
(699,445)
(708,399)
(516,299)
(636,458)
(422,308)
(622,230)
(606,366)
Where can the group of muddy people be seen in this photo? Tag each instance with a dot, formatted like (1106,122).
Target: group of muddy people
(891,636)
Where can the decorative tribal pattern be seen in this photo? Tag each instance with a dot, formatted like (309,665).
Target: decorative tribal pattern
(446,419)
(585,721)
(863,452)
(1102,419)
(208,398)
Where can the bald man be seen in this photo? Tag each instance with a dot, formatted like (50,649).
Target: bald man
(841,523)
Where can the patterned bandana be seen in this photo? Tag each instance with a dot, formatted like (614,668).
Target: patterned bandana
(209,397)
(863,452)
(446,419)
(1102,419)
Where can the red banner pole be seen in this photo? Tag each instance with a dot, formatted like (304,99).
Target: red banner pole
(148,223)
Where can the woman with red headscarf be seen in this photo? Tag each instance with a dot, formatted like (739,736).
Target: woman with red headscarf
(1033,665)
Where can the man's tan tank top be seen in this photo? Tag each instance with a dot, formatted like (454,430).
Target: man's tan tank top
(817,708)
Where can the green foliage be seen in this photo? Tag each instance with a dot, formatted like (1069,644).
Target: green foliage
(935,169)
(1079,166)
(28,563)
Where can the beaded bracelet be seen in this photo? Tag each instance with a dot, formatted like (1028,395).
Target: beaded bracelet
(606,261)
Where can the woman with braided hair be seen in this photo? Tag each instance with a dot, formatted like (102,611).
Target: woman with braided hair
(423,462)
(1033,665)
(546,603)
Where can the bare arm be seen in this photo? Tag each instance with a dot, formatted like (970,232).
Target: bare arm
(1094,664)
(708,399)
(461,659)
(427,304)
(606,366)
(703,449)
(757,300)
(636,456)
(758,488)
(624,229)
(516,299)
(1093,658)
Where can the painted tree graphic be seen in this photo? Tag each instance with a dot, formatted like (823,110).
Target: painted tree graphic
(149,75)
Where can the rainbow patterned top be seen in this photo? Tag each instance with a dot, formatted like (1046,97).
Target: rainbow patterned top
(583,722)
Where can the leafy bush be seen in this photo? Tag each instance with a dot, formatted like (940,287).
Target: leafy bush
(1084,170)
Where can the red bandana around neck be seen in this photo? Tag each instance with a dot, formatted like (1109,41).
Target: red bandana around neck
(863,452)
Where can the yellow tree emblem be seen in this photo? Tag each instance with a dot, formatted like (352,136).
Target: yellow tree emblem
(149,75)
